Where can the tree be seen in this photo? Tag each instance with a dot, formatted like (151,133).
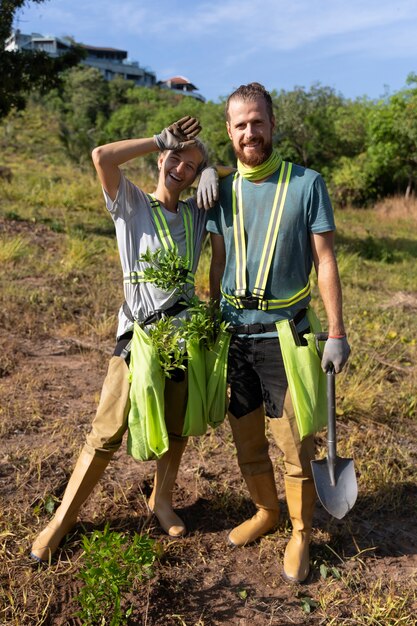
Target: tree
(23,71)
(84,106)
(305,125)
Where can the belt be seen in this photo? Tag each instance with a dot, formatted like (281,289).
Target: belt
(156,315)
(160,313)
(257,328)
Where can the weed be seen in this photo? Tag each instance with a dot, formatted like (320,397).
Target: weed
(13,249)
(113,565)
(80,255)
(166,338)
(167,270)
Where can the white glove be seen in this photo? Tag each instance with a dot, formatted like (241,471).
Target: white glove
(178,135)
(335,351)
(208,188)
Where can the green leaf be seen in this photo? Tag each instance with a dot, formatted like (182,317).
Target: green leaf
(50,504)
(308,604)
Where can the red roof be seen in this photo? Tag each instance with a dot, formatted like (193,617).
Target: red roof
(179,80)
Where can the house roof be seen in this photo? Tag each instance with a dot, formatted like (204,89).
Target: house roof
(179,80)
(103,49)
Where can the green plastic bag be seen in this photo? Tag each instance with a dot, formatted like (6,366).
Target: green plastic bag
(195,421)
(216,375)
(147,433)
(306,379)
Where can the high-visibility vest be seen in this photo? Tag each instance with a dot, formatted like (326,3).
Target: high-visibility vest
(166,240)
(241,299)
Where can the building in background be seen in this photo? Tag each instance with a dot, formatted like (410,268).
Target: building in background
(181,85)
(109,61)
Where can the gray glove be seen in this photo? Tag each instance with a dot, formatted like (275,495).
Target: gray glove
(335,351)
(178,135)
(208,188)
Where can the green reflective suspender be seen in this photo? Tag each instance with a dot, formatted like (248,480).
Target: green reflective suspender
(267,250)
(239,237)
(272,232)
(162,228)
(164,236)
(188,225)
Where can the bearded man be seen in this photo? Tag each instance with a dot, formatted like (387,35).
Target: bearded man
(273,221)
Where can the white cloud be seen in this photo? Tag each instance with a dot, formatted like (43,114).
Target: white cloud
(242,25)
(280,23)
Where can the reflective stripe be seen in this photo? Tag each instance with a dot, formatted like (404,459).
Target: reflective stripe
(268,305)
(272,232)
(188,225)
(162,228)
(267,250)
(164,234)
(239,236)
(133,278)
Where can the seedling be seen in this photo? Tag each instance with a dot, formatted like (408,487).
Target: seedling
(114,564)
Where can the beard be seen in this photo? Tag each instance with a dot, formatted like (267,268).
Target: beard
(263,152)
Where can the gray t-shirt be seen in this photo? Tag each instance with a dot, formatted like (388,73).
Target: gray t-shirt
(136,233)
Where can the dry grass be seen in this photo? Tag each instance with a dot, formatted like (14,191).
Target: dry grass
(60,291)
(397,208)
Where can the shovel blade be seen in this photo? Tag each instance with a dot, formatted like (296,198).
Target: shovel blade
(337,499)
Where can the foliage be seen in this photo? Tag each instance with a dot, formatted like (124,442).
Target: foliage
(166,338)
(305,125)
(84,104)
(203,323)
(170,336)
(113,565)
(364,149)
(22,71)
(167,270)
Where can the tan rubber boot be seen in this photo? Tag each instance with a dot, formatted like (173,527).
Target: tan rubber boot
(301,500)
(160,501)
(299,488)
(87,472)
(256,467)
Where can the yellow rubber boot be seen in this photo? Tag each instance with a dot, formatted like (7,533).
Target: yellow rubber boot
(87,472)
(264,495)
(160,501)
(301,500)
(256,467)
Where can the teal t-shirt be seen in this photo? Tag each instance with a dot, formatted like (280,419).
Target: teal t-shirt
(307,210)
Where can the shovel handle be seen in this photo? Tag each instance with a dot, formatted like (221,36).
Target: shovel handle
(320,337)
(331,423)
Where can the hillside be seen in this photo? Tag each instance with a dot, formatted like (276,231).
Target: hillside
(60,289)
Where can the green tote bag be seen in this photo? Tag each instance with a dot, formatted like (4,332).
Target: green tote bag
(147,433)
(306,379)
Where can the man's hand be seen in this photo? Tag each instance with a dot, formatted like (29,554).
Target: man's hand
(335,351)
(178,135)
(208,188)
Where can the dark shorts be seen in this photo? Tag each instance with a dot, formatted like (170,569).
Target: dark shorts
(256,376)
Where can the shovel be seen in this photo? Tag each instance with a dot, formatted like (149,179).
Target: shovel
(334,476)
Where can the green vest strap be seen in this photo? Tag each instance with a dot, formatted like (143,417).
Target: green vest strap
(266,305)
(164,234)
(240,299)
(272,232)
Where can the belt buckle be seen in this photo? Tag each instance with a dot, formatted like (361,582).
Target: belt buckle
(249,302)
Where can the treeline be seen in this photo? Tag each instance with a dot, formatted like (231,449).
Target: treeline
(365,149)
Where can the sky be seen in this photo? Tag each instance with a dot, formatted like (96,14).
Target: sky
(357,48)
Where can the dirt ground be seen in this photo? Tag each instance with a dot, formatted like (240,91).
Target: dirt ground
(49,387)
